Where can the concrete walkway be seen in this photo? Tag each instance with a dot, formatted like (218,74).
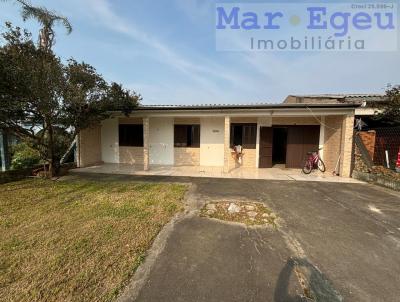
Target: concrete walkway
(335,242)
(217,172)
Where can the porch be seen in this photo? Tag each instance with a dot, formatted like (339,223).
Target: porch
(275,173)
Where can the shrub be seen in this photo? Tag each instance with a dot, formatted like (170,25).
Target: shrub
(24,157)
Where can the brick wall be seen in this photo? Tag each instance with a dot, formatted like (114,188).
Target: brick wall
(90,146)
(368,138)
(131,155)
(248,159)
(347,146)
(187,156)
(333,136)
(339,141)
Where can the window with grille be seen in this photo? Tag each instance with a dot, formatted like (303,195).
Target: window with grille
(244,135)
(187,136)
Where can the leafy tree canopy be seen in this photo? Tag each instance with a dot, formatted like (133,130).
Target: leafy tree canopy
(389,110)
(41,98)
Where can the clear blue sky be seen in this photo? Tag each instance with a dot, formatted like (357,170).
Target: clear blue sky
(165,50)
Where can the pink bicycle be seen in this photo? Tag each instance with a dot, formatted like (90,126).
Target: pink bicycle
(312,162)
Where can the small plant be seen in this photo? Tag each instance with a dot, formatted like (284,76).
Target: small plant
(24,157)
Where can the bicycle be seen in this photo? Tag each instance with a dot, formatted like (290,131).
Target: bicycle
(312,162)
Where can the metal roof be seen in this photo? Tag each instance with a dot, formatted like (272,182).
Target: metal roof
(354,97)
(245,106)
(376,96)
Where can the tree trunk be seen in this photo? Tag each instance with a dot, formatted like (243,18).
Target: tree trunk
(52,163)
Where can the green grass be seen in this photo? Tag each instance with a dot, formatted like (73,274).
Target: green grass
(78,240)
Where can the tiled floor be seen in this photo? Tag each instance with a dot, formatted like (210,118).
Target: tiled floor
(200,171)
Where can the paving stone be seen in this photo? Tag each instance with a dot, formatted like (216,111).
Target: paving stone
(233,208)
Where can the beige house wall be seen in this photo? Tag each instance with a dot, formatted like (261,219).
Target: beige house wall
(187,156)
(287,121)
(131,155)
(244,120)
(187,121)
(89,146)
(131,120)
(339,142)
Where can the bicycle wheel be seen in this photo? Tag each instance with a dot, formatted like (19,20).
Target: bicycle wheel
(307,167)
(321,165)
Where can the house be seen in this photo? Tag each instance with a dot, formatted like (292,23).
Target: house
(206,135)
(367,103)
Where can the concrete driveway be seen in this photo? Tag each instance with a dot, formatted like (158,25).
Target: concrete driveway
(335,242)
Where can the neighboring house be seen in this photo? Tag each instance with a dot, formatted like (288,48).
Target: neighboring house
(366,103)
(205,135)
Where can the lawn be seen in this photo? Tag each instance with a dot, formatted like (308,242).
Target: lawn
(78,240)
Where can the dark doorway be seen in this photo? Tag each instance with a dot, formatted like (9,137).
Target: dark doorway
(279,145)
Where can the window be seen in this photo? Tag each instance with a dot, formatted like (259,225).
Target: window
(244,135)
(131,135)
(187,136)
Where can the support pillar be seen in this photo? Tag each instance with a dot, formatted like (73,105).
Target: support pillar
(227,138)
(146,148)
(347,145)
(322,137)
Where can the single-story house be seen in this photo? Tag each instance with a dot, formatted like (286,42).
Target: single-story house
(208,135)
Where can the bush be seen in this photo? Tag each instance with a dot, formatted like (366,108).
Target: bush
(24,157)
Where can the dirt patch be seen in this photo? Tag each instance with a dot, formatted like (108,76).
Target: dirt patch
(248,213)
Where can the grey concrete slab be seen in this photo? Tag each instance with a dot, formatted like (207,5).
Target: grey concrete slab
(342,241)
(206,260)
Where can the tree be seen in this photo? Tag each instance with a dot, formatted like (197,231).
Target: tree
(42,99)
(389,110)
(47,19)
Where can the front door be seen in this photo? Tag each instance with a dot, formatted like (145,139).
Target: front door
(265,156)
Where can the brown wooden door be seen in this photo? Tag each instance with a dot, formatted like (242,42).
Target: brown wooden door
(266,138)
(300,140)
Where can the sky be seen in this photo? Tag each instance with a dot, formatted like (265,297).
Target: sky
(166,51)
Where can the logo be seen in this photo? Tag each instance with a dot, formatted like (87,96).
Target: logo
(306,27)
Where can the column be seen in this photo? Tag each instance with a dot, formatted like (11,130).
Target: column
(322,137)
(227,137)
(146,143)
(347,145)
